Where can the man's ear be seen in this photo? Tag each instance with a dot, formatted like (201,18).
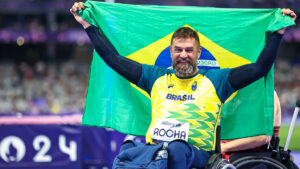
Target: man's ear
(199,52)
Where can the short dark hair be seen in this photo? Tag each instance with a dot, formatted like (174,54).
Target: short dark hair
(185,33)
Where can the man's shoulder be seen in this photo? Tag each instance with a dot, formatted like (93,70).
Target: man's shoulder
(150,74)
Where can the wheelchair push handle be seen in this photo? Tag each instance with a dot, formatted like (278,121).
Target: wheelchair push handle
(292,125)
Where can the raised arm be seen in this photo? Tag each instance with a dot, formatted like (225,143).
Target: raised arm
(244,75)
(127,68)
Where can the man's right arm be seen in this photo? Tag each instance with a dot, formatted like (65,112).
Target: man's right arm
(242,76)
(127,68)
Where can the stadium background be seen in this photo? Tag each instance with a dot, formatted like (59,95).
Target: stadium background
(44,69)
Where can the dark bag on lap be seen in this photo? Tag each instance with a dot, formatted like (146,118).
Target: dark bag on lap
(134,155)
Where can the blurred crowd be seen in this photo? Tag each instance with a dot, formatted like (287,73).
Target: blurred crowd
(287,85)
(58,88)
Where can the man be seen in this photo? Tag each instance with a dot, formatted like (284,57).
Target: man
(184,90)
(250,144)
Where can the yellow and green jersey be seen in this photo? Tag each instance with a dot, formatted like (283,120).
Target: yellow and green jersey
(197,100)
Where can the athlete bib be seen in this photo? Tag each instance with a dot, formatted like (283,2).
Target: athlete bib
(167,130)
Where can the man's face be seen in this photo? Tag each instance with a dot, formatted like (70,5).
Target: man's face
(185,54)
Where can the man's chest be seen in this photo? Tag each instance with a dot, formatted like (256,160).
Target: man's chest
(173,94)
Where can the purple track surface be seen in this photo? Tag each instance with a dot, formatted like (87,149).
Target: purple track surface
(296,155)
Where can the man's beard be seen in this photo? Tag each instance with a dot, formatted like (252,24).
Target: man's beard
(184,70)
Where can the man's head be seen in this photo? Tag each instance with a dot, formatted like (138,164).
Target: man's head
(185,51)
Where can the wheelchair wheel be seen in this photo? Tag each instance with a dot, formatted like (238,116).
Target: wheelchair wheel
(257,162)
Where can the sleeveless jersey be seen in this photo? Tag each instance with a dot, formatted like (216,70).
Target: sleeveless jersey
(197,100)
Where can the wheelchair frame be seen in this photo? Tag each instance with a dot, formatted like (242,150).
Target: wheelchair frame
(274,157)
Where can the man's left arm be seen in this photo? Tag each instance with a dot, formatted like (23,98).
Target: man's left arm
(244,75)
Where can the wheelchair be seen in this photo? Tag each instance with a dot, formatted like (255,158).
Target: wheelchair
(273,157)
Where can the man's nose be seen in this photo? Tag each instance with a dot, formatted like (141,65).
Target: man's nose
(183,54)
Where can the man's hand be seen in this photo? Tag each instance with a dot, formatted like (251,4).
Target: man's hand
(77,7)
(286,11)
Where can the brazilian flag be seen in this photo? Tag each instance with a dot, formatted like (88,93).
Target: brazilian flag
(229,37)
